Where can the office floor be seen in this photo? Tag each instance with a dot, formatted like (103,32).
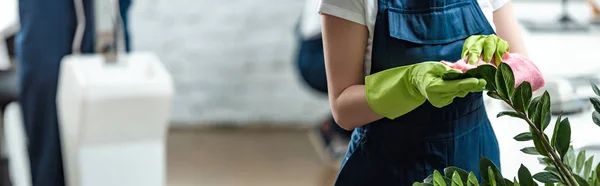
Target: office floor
(245,157)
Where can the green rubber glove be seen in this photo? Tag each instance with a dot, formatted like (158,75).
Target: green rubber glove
(487,46)
(397,91)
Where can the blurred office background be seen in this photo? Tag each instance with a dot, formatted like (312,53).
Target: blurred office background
(241,113)
(233,61)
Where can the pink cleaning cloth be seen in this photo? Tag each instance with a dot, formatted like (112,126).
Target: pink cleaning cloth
(523,69)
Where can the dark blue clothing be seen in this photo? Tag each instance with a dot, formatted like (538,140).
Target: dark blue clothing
(402,151)
(310,61)
(45,37)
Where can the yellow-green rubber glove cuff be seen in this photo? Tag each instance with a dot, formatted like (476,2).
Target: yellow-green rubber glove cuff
(391,94)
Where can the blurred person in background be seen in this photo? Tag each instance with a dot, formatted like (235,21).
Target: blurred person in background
(384,76)
(46,35)
(329,138)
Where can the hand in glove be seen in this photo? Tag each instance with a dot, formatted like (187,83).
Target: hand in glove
(522,67)
(488,47)
(397,91)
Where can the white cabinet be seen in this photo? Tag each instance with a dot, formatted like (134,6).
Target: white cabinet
(113,119)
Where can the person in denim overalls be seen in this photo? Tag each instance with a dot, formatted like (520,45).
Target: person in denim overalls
(407,149)
(45,37)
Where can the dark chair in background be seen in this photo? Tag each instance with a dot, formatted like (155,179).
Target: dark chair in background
(9,92)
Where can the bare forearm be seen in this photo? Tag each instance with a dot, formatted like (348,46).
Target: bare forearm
(344,44)
(351,109)
(508,29)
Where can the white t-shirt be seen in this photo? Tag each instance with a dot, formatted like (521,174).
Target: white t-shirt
(364,12)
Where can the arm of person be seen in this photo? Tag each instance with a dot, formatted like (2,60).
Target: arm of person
(508,28)
(344,44)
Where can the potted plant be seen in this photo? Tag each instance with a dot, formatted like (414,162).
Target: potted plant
(562,166)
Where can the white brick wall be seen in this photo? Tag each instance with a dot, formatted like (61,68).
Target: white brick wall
(231,60)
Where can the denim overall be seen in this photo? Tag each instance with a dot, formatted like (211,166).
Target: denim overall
(402,151)
(46,35)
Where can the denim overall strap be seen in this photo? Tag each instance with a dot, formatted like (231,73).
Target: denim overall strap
(409,148)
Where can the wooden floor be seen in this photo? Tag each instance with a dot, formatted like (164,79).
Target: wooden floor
(245,157)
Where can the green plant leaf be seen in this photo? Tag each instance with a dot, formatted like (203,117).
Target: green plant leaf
(428,179)
(485,165)
(539,146)
(597,172)
(596,117)
(488,72)
(552,170)
(587,167)
(456,179)
(509,113)
(516,182)
(492,177)
(447,180)
(570,158)
(546,177)
(417,184)
(533,106)
(580,161)
(472,180)
(556,127)
(522,97)
(525,178)
(595,103)
(450,171)
(596,90)
(438,179)
(509,78)
(507,182)
(530,151)
(525,136)
(580,180)
(548,184)
(505,81)
(542,113)
(562,137)
(493,94)
(546,120)
(453,75)
(545,161)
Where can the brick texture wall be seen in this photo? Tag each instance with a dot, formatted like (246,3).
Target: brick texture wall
(232,61)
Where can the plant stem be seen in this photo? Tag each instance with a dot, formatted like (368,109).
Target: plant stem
(562,174)
(553,156)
